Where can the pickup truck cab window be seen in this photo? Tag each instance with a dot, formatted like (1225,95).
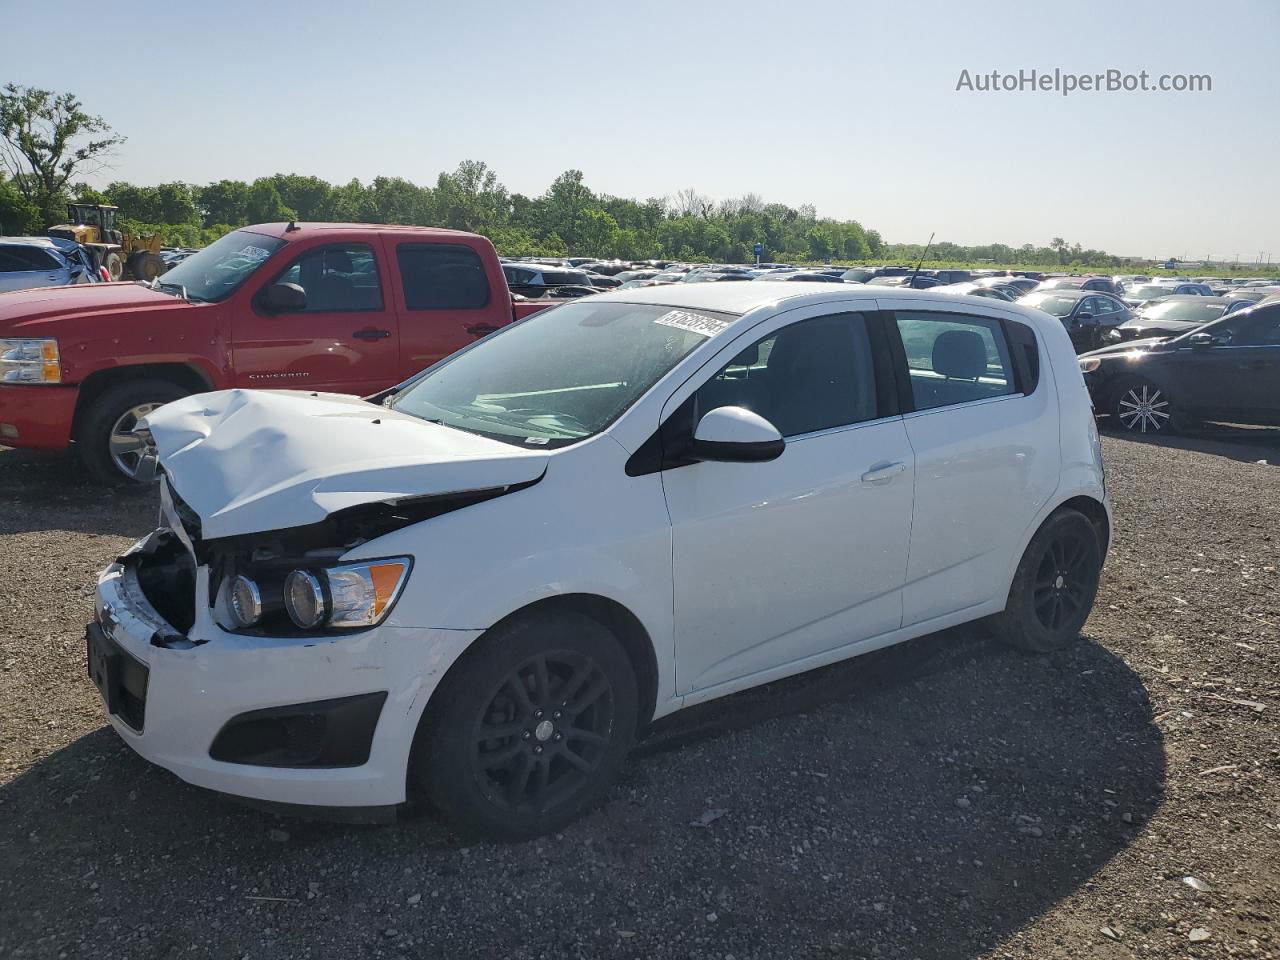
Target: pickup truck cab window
(440,276)
(337,278)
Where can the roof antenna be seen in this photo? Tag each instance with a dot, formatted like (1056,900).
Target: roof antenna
(912,282)
(291,227)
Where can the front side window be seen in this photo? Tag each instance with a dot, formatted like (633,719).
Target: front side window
(813,375)
(441,276)
(954,358)
(561,375)
(337,278)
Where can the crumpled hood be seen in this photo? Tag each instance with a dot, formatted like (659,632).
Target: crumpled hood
(248,461)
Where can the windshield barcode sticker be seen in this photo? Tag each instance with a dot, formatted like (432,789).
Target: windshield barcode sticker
(256,253)
(693,322)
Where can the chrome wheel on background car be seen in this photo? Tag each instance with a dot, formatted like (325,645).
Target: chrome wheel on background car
(1142,407)
(127,448)
(544,733)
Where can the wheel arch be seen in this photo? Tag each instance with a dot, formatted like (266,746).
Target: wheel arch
(187,376)
(619,621)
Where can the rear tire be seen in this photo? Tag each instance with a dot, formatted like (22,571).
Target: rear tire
(1054,587)
(528,729)
(111,416)
(145,265)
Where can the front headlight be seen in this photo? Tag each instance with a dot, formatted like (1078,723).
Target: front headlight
(346,597)
(1089,364)
(30,361)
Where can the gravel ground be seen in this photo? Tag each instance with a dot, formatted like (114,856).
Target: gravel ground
(947,798)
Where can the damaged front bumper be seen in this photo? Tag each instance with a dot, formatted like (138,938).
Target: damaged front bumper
(325,721)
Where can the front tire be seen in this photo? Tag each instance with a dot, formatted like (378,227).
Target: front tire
(1139,406)
(1054,587)
(104,438)
(529,728)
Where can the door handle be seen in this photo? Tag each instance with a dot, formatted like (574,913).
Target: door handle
(883,472)
(371,333)
(481,329)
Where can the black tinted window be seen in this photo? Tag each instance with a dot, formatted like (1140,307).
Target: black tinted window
(953,358)
(18,258)
(812,375)
(337,278)
(440,276)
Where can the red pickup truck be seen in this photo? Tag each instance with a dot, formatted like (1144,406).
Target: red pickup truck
(348,308)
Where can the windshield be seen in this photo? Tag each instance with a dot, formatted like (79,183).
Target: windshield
(1148,293)
(857,275)
(1186,310)
(215,272)
(1058,306)
(563,374)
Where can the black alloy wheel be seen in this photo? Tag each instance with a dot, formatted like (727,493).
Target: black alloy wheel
(544,733)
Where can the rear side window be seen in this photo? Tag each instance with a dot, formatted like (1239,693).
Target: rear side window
(19,258)
(813,375)
(954,358)
(442,276)
(337,278)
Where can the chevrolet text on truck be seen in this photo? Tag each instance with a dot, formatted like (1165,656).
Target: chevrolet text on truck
(345,308)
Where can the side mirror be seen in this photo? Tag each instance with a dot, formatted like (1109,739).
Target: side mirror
(1201,341)
(736,435)
(1083,317)
(285,298)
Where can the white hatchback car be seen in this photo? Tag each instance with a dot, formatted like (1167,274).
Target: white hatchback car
(478,590)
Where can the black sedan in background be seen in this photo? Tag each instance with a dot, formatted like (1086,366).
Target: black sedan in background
(1227,370)
(1087,315)
(1172,316)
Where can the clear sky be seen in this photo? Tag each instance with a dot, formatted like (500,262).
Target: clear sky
(851,107)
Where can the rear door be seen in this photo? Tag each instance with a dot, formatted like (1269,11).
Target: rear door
(345,339)
(445,300)
(984,435)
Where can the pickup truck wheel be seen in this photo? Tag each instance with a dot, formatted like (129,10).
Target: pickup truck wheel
(110,451)
(1054,587)
(528,728)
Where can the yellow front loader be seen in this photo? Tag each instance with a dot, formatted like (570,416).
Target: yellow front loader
(126,257)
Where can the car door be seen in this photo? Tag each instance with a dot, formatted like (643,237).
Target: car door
(344,340)
(444,300)
(978,417)
(777,563)
(1235,377)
